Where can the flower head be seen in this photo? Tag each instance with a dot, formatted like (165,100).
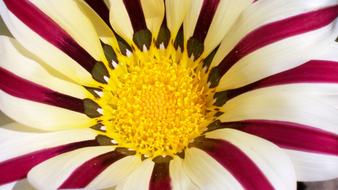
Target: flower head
(153,94)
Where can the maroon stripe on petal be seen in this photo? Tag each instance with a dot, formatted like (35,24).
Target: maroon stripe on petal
(18,167)
(314,71)
(100,8)
(205,17)
(276,31)
(84,174)
(160,178)
(40,23)
(236,162)
(135,12)
(25,89)
(290,135)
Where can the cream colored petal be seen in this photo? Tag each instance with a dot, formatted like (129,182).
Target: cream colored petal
(51,173)
(119,20)
(115,173)
(14,59)
(309,104)
(275,165)
(75,22)
(14,143)
(139,179)
(48,53)
(153,11)
(179,179)
(191,18)
(42,116)
(176,11)
(225,17)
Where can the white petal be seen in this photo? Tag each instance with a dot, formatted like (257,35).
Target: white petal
(270,159)
(308,104)
(139,179)
(312,166)
(14,143)
(225,16)
(75,22)
(176,11)
(153,11)
(48,53)
(179,180)
(51,173)
(278,57)
(259,14)
(206,172)
(18,185)
(116,173)
(119,20)
(42,116)
(16,59)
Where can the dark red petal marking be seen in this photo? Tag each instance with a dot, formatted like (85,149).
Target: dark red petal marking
(205,17)
(17,168)
(40,23)
(135,12)
(100,8)
(276,31)
(160,178)
(22,88)
(290,135)
(314,71)
(84,174)
(237,163)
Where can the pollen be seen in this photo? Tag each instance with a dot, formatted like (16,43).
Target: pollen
(155,104)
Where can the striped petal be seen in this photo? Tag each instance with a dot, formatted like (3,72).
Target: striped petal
(50,43)
(17,158)
(212,166)
(69,16)
(279,46)
(260,14)
(15,59)
(58,172)
(300,118)
(59,111)
(115,173)
(153,13)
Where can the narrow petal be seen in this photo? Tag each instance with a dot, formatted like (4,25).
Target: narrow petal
(58,171)
(179,179)
(48,47)
(69,16)
(269,167)
(226,14)
(42,116)
(175,14)
(153,11)
(140,178)
(115,173)
(119,20)
(18,158)
(15,59)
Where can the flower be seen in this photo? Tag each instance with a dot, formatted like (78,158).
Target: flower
(153,94)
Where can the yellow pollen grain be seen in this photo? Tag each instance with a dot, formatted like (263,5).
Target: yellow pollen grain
(157,108)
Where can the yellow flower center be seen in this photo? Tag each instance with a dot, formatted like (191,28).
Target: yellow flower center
(156,102)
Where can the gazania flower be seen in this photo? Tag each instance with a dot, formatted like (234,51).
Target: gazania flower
(175,94)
